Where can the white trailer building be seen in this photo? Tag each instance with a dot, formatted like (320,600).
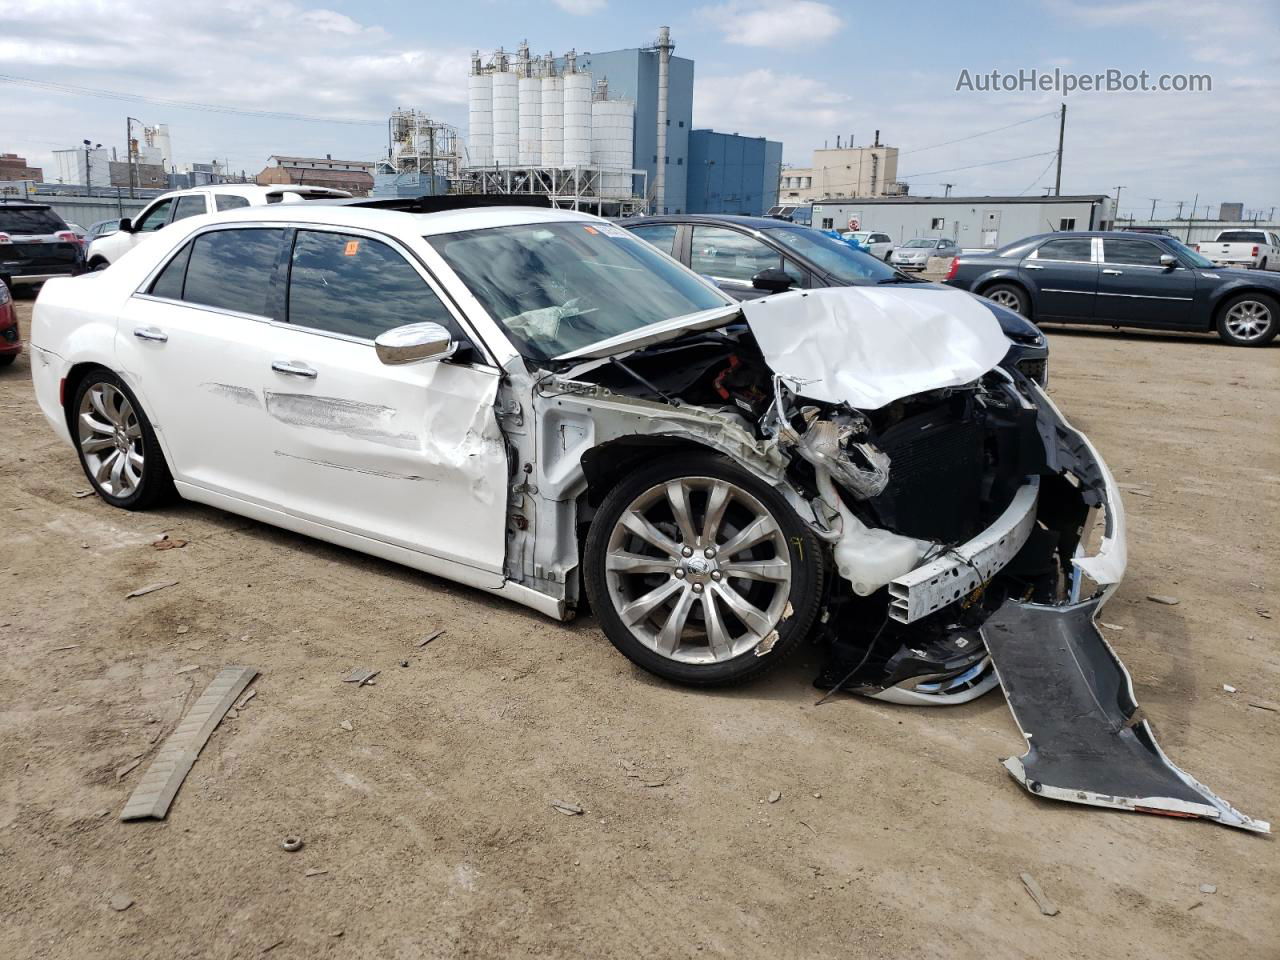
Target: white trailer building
(972,222)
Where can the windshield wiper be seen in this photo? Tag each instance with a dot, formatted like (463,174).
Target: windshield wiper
(901,278)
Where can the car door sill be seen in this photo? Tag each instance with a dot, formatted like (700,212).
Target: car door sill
(454,570)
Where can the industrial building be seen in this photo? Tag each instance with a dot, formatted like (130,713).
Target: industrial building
(423,157)
(972,222)
(846,171)
(354,176)
(14,167)
(728,173)
(608,132)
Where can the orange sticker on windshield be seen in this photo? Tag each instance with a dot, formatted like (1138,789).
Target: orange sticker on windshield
(591,229)
(352,248)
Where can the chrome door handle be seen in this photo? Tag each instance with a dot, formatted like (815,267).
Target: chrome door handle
(150,333)
(1032,266)
(1114,273)
(292,368)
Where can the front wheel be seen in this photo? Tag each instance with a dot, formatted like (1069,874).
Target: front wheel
(117,446)
(701,573)
(1249,320)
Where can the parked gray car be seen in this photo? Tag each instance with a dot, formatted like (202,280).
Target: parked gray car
(915,253)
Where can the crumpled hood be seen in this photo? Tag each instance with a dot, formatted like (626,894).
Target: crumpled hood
(869,346)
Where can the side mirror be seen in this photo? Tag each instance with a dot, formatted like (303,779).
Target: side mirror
(414,342)
(774,279)
(126,225)
(1168,261)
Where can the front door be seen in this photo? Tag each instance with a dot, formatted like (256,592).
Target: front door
(411,454)
(1135,288)
(1063,279)
(731,258)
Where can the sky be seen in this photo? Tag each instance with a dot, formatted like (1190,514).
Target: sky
(801,72)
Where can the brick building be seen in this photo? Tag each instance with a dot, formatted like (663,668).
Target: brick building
(354,176)
(14,167)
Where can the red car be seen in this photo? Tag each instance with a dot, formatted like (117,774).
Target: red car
(10,342)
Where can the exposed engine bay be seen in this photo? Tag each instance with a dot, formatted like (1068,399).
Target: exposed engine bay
(944,511)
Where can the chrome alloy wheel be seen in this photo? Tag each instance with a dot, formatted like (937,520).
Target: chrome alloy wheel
(110,438)
(1005,298)
(698,570)
(1249,320)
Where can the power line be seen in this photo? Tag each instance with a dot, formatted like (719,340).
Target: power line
(989,163)
(72,89)
(1051,162)
(974,136)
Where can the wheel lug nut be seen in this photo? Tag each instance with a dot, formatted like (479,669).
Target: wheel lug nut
(709,552)
(687,552)
(697,588)
(680,572)
(715,574)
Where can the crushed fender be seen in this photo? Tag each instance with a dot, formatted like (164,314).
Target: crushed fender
(1073,700)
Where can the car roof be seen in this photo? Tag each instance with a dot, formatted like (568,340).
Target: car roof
(727,219)
(420,224)
(24,205)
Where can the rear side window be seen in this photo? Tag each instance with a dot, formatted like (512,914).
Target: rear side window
(359,287)
(191,205)
(1079,250)
(226,201)
(169,283)
(661,235)
(232,269)
(29,220)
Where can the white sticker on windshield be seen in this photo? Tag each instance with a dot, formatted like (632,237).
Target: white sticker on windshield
(609,230)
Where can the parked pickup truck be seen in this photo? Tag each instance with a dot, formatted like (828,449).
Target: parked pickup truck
(1251,249)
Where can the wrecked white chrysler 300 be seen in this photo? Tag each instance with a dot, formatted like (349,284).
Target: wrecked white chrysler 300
(538,403)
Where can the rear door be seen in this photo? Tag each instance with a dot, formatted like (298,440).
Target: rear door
(731,258)
(1134,288)
(410,454)
(1063,279)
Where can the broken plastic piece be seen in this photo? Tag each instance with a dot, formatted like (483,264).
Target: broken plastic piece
(1073,700)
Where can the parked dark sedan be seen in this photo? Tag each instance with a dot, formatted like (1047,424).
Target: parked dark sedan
(752,257)
(36,244)
(1123,280)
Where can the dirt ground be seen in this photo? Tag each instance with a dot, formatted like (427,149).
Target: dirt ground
(897,833)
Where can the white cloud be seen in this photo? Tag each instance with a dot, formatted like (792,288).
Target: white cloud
(763,103)
(580,7)
(774,23)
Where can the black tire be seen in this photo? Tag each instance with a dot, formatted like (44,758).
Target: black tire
(803,556)
(98,264)
(1263,264)
(7,359)
(1009,296)
(156,483)
(1231,324)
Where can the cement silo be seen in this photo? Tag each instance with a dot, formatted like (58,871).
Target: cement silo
(530,148)
(506,116)
(612,137)
(577,120)
(479,115)
(552,119)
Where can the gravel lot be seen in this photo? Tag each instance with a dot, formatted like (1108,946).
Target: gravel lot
(897,832)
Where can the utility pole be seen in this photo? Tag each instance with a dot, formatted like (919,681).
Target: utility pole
(1180,203)
(130,153)
(1117,216)
(1154,201)
(947,187)
(1190,220)
(1062,129)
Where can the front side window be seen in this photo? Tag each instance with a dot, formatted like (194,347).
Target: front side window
(730,255)
(232,269)
(189,205)
(155,218)
(1137,253)
(227,201)
(843,262)
(1181,250)
(1077,250)
(559,287)
(359,287)
(661,235)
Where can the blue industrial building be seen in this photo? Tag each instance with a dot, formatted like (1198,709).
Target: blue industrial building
(732,174)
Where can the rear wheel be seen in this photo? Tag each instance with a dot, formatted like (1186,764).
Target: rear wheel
(117,447)
(1009,297)
(701,573)
(7,359)
(1249,320)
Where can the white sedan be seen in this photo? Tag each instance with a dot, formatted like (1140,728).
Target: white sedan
(879,245)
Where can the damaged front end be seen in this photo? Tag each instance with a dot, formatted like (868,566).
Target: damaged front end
(974,532)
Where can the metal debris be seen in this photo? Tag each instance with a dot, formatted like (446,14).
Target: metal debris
(246,698)
(429,637)
(150,588)
(124,771)
(81,494)
(1110,626)
(775,796)
(1161,598)
(1229,688)
(120,902)
(1208,888)
(159,785)
(568,809)
(360,676)
(1047,906)
(291,844)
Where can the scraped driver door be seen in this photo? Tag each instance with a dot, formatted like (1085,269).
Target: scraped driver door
(409,455)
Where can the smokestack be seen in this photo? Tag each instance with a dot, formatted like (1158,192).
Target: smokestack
(665,47)
(877,143)
(837,141)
